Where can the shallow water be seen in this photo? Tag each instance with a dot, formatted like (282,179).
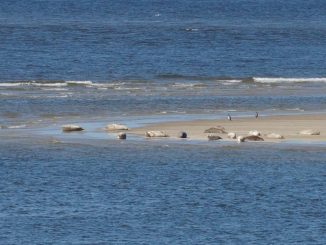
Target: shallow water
(30,105)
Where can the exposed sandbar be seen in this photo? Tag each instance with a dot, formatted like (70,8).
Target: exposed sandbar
(287,126)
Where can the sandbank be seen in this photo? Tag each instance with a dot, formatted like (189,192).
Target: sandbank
(288,126)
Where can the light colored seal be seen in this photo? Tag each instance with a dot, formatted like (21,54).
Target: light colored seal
(232,135)
(156,134)
(310,132)
(274,136)
(254,133)
(113,127)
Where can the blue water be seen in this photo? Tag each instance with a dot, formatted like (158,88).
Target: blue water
(89,58)
(149,193)
(106,40)
(95,61)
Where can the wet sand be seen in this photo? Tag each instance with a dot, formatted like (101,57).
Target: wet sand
(287,126)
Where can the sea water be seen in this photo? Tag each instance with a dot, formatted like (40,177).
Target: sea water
(161,193)
(114,58)
(148,61)
(106,40)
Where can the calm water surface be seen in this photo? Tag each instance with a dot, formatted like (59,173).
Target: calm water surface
(105,40)
(154,193)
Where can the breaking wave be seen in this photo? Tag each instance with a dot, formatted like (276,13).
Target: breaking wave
(288,80)
(56,84)
(188,85)
(44,84)
(163,81)
(226,79)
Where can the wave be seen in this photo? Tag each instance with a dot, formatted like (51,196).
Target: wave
(79,83)
(13,126)
(126,88)
(178,81)
(16,126)
(15,84)
(33,83)
(188,85)
(57,84)
(227,79)
(287,80)
(294,109)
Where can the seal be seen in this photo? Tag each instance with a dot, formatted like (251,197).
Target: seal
(182,135)
(71,128)
(122,136)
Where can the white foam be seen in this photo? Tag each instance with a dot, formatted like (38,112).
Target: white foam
(187,85)
(17,126)
(32,83)
(58,96)
(79,82)
(288,80)
(127,88)
(229,82)
(10,84)
(294,109)
(46,84)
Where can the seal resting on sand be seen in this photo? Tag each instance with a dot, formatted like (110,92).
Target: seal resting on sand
(112,127)
(274,136)
(216,130)
(310,132)
(232,135)
(182,135)
(249,138)
(156,134)
(71,128)
(240,139)
(213,137)
(254,133)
